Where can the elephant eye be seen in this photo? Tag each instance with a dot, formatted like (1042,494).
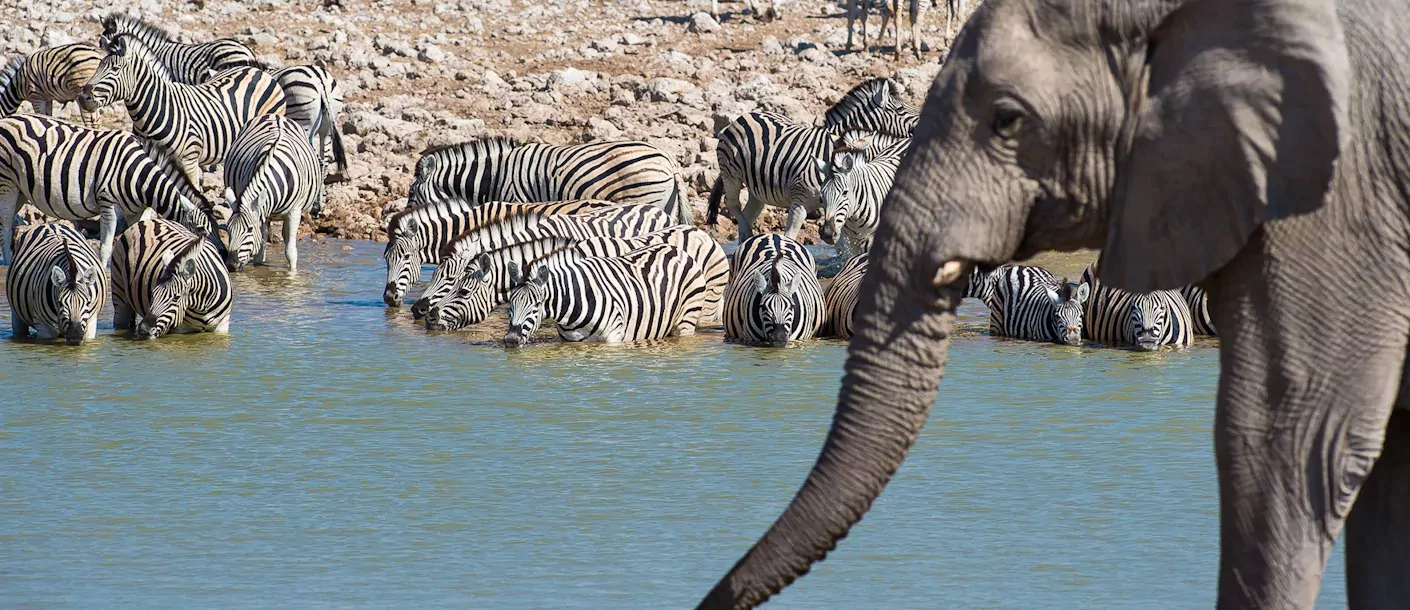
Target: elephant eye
(1008,121)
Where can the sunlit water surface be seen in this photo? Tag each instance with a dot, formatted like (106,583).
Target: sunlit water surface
(329,453)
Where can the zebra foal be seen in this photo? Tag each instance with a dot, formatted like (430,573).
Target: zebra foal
(642,295)
(47,76)
(196,124)
(271,171)
(56,285)
(173,278)
(773,295)
(416,236)
(76,173)
(502,169)
(1145,321)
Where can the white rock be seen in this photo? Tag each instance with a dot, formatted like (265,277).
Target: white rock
(571,76)
(703,23)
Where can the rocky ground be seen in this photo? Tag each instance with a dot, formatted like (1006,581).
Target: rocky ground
(427,72)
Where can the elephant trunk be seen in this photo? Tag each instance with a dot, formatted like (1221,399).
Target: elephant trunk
(893,370)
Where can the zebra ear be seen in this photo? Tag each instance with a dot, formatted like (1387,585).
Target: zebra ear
(86,275)
(167,257)
(187,268)
(516,276)
(119,46)
(761,282)
(541,275)
(58,276)
(822,166)
(880,98)
(483,261)
(1053,294)
(411,227)
(1082,292)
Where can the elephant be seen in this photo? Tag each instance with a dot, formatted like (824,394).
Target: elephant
(1256,148)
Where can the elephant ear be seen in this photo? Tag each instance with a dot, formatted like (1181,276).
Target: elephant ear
(1241,122)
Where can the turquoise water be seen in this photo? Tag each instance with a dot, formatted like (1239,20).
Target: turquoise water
(328,453)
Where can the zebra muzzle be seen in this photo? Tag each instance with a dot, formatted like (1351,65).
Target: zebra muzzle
(390,296)
(73,335)
(419,309)
(515,338)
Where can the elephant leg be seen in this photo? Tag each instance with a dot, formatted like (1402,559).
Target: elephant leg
(1304,398)
(1378,530)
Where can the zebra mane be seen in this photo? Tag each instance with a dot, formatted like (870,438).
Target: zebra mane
(118,22)
(132,46)
(482,146)
(9,83)
(167,164)
(72,260)
(457,243)
(245,63)
(860,95)
(555,255)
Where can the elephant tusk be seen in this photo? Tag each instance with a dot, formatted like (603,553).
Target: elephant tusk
(948,274)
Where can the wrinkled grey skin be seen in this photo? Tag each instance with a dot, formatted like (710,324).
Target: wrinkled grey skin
(1248,146)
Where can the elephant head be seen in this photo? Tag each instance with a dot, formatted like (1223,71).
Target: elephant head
(1162,131)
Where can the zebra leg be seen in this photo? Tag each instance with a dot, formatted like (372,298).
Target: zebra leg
(17,324)
(9,205)
(1377,547)
(851,20)
(885,19)
(107,228)
(43,106)
(91,331)
(915,27)
(259,255)
(291,236)
(123,316)
(797,214)
(741,216)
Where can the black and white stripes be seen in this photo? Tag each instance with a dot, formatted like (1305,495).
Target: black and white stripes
(172,278)
(1145,321)
(56,285)
(48,76)
(271,171)
(855,184)
(773,295)
(1030,303)
(190,64)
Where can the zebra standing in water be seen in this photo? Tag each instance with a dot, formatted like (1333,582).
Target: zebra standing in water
(270,171)
(1029,303)
(840,300)
(190,64)
(502,169)
(503,224)
(56,285)
(1198,302)
(773,295)
(173,278)
(416,235)
(776,159)
(642,295)
(1143,320)
(485,283)
(47,76)
(76,173)
(196,124)
(853,188)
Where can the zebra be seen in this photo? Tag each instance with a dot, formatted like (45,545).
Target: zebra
(760,10)
(773,295)
(47,76)
(484,285)
(505,224)
(189,64)
(641,295)
(877,105)
(416,235)
(503,169)
(840,300)
(1198,302)
(314,100)
(173,278)
(56,285)
(1030,303)
(195,123)
(76,173)
(893,11)
(853,189)
(270,171)
(1142,320)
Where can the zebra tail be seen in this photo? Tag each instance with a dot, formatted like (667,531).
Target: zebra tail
(680,202)
(717,192)
(340,156)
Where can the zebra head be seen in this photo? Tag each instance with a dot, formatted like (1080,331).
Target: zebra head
(403,256)
(1150,315)
(527,302)
(839,179)
(981,284)
(473,300)
(115,79)
(167,309)
(245,230)
(78,292)
(1068,300)
(446,280)
(424,180)
(776,307)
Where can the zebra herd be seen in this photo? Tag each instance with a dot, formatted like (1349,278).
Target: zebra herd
(193,107)
(599,238)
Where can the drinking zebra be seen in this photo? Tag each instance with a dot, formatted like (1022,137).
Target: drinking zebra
(981,284)
(47,76)
(504,224)
(852,191)
(502,169)
(642,295)
(1145,321)
(773,295)
(190,64)
(1029,303)
(416,235)
(56,285)
(76,173)
(270,171)
(1198,302)
(840,300)
(484,284)
(173,278)
(196,124)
